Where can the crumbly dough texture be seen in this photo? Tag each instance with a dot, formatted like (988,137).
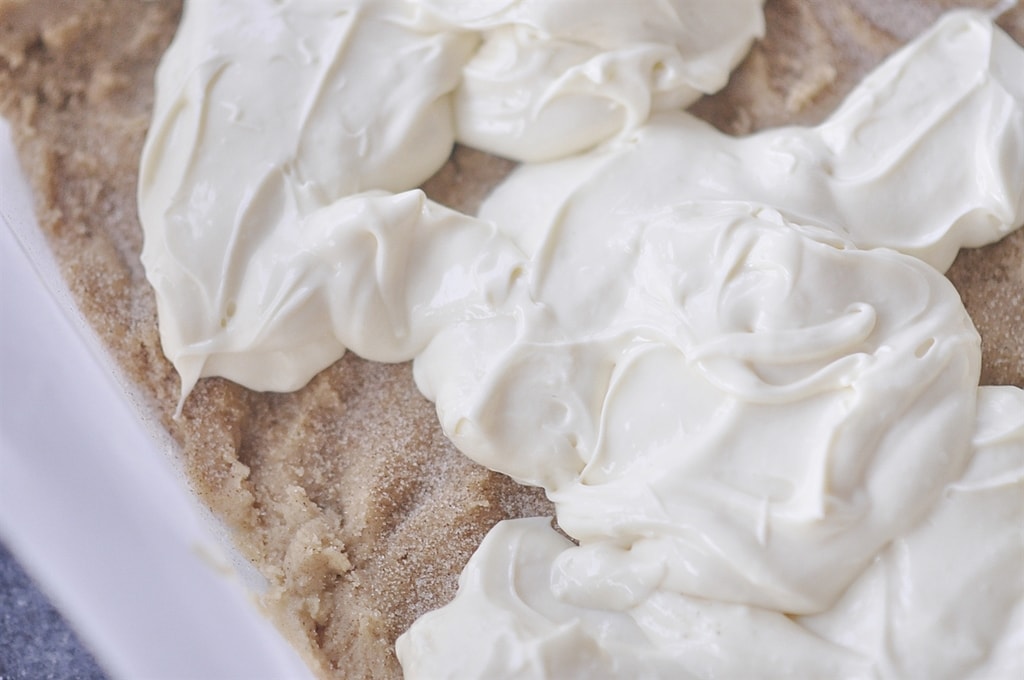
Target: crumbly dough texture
(345,494)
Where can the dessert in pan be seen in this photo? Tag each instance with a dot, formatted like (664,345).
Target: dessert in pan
(721,347)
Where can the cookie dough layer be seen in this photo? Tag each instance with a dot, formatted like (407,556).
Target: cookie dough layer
(345,494)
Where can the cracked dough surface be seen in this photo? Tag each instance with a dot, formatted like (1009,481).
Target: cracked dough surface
(346,495)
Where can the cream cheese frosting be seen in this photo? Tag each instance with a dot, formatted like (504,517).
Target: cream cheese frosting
(732,363)
(351,96)
(705,413)
(258,124)
(954,578)
(921,589)
(555,78)
(212,248)
(953,99)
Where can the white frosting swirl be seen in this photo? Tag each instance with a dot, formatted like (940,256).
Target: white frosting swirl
(946,601)
(268,112)
(258,124)
(555,78)
(953,99)
(511,608)
(706,399)
(703,348)
(916,612)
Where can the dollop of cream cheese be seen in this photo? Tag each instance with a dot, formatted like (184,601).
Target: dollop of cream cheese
(733,364)
(555,78)
(930,604)
(259,125)
(952,99)
(703,408)
(269,111)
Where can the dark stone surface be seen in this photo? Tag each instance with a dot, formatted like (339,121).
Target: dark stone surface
(35,641)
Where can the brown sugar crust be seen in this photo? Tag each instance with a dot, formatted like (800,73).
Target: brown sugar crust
(345,494)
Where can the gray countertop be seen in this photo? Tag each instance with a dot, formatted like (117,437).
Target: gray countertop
(36,643)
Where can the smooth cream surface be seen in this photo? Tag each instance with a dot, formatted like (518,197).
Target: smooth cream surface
(558,77)
(269,112)
(733,364)
(704,409)
(924,157)
(918,611)
(259,125)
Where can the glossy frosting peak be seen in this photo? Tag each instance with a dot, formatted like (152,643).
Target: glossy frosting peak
(555,78)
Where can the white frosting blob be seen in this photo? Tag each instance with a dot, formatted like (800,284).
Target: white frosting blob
(555,78)
(510,608)
(701,387)
(259,124)
(928,606)
(268,112)
(758,420)
(924,156)
(935,600)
